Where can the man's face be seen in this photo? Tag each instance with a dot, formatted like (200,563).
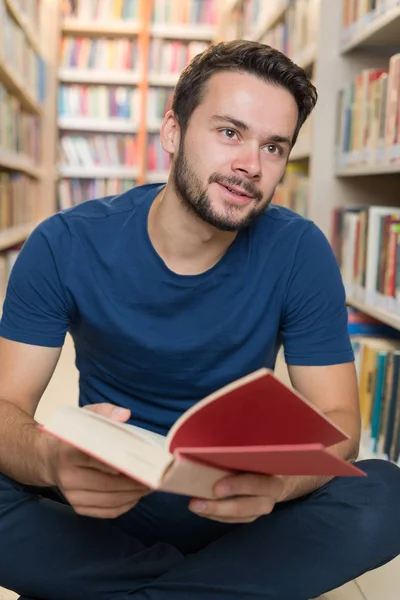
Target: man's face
(235,149)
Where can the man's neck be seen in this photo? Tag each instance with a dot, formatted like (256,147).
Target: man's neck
(187,245)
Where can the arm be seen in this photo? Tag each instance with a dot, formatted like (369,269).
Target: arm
(333,389)
(25,371)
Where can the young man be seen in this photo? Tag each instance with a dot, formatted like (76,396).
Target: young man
(169,293)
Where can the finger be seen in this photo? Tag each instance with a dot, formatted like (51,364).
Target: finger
(110,410)
(249,484)
(102,500)
(104,513)
(94,480)
(237,508)
(70,456)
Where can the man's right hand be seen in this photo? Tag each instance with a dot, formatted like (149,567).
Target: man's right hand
(92,488)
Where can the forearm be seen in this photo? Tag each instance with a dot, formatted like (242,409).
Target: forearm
(295,487)
(23,448)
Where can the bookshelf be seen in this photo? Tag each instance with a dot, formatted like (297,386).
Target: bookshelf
(163,39)
(27,125)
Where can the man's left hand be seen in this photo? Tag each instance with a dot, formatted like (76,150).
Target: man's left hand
(242,498)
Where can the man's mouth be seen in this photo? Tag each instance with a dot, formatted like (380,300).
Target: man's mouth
(236,190)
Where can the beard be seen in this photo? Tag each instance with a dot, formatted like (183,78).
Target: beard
(194,196)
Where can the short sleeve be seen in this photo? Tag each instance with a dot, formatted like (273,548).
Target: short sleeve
(314,325)
(35,309)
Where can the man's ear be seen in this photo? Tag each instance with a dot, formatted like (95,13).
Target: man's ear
(170,133)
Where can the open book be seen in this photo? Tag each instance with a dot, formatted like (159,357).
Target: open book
(255,424)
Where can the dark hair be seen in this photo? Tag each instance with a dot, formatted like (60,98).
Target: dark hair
(248,57)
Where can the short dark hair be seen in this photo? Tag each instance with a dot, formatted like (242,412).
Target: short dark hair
(247,57)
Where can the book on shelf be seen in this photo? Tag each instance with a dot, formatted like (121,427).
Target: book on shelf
(368,118)
(18,199)
(366,242)
(157,158)
(378,368)
(100,54)
(358,14)
(20,58)
(159,101)
(99,101)
(99,149)
(193,12)
(294,191)
(75,191)
(19,130)
(255,424)
(167,56)
(101,10)
(297,30)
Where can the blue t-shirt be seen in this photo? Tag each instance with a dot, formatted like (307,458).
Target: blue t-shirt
(156,342)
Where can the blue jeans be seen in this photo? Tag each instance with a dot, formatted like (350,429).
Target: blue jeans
(161,551)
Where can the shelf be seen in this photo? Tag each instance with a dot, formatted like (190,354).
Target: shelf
(20,163)
(98,172)
(154,127)
(112,124)
(99,28)
(366,170)
(306,57)
(230,5)
(167,80)
(272,19)
(183,31)
(14,85)
(157,176)
(20,18)
(384,316)
(15,235)
(94,76)
(384,30)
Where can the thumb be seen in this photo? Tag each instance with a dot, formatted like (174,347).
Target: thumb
(111,411)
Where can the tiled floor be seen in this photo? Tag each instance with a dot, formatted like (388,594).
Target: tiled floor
(383,584)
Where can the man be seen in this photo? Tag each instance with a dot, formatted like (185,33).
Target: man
(169,293)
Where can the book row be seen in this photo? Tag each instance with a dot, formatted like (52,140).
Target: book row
(185,11)
(98,101)
(75,191)
(101,10)
(172,57)
(7,260)
(357,14)
(19,131)
(368,118)
(97,149)
(18,195)
(99,53)
(366,242)
(157,158)
(20,58)
(298,30)
(293,192)
(378,369)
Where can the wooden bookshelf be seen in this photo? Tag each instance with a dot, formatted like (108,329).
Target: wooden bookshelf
(157,176)
(16,87)
(387,317)
(98,29)
(98,172)
(18,162)
(15,235)
(382,31)
(183,32)
(301,151)
(163,79)
(366,170)
(24,24)
(307,57)
(276,13)
(110,77)
(110,125)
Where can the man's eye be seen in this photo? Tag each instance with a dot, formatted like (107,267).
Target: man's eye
(229,133)
(273,149)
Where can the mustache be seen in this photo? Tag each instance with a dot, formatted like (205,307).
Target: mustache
(231,180)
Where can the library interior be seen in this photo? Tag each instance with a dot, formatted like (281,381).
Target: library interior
(84,87)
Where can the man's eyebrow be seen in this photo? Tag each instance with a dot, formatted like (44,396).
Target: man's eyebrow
(277,139)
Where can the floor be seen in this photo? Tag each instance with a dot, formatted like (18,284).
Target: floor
(382,584)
